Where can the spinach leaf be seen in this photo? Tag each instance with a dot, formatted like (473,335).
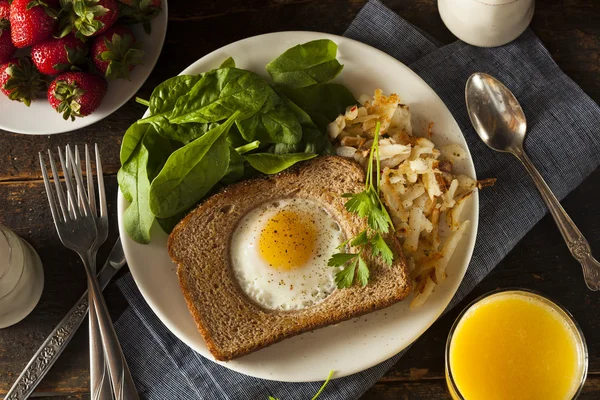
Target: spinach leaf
(135,186)
(159,149)
(168,224)
(313,141)
(229,63)
(234,137)
(190,172)
(269,163)
(184,133)
(235,169)
(273,123)
(218,94)
(306,64)
(165,95)
(323,103)
(133,136)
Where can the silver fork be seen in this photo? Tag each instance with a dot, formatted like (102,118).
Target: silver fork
(99,382)
(76,227)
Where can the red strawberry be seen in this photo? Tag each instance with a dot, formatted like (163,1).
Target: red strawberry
(54,56)
(76,94)
(7,49)
(115,53)
(88,18)
(20,81)
(32,21)
(4,10)
(139,11)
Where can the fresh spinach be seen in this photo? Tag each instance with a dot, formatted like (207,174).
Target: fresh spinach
(273,123)
(184,133)
(235,169)
(133,136)
(313,141)
(159,149)
(168,224)
(269,163)
(165,95)
(323,102)
(218,94)
(191,171)
(229,63)
(306,64)
(135,186)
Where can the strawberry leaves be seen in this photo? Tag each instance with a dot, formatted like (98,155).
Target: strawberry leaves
(365,204)
(23,81)
(77,59)
(122,55)
(68,95)
(86,17)
(51,12)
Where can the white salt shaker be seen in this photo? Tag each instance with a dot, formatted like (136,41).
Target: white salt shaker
(21,278)
(486,23)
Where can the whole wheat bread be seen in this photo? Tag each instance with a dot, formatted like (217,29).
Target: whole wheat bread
(229,322)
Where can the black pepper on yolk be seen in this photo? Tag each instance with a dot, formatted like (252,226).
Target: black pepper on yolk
(288,240)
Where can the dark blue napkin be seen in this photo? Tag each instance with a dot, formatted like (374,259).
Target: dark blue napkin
(563,141)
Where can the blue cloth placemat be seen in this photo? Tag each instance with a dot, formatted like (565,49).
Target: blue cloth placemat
(563,141)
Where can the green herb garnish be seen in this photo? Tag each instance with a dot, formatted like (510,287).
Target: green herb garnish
(366,204)
(320,390)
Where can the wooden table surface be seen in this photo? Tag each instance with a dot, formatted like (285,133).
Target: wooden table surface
(541,261)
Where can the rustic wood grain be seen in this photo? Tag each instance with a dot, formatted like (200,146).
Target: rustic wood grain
(541,261)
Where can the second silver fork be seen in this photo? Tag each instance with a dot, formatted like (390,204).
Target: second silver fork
(100,388)
(76,227)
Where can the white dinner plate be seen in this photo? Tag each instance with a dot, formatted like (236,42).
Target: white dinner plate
(41,119)
(354,345)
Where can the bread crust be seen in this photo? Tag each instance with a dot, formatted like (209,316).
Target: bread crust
(229,322)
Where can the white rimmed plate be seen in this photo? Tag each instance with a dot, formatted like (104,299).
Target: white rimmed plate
(41,119)
(354,345)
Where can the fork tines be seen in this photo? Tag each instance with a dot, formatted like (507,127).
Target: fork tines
(77,201)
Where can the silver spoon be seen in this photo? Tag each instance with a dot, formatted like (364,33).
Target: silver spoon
(500,122)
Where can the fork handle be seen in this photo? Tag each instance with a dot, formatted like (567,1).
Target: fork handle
(579,247)
(122,382)
(99,380)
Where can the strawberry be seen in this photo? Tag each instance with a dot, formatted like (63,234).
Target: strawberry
(139,11)
(87,18)
(54,56)
(4,10)
(77,94)
(7,49)
(20,81)
(32,21)
(115,53)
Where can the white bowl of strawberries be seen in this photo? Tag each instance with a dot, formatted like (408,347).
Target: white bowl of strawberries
(65,64)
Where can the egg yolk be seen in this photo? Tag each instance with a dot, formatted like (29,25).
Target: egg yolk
(287,240)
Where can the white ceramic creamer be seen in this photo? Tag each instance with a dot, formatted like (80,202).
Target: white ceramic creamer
(21,278)
(486,23)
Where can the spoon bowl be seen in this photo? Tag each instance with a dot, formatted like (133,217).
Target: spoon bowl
(495,113)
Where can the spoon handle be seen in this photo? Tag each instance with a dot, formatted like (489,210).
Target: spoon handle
(579,247)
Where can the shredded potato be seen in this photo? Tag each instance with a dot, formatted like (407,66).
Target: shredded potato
(417,185)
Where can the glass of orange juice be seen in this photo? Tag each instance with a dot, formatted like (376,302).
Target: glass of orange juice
(515,344)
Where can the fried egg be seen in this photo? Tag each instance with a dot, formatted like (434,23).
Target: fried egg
(279,254)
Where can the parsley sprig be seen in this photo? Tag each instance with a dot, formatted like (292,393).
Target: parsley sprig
(366,204)
(320,390)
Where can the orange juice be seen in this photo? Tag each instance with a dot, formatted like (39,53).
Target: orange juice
(515,345)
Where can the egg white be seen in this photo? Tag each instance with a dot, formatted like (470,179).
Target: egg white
(292,289)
